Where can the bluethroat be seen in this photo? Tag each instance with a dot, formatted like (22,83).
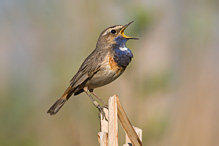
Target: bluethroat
(105,64)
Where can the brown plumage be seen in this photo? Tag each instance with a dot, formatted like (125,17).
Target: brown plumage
(106,63)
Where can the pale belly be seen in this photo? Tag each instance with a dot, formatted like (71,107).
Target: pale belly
(105,76)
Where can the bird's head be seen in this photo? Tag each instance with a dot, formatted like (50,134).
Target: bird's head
(114,35)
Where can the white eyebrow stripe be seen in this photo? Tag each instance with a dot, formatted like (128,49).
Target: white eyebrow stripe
(106,32)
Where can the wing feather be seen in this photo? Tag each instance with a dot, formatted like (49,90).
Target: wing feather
(88,68)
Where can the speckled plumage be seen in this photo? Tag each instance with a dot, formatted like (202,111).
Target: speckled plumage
(106,63)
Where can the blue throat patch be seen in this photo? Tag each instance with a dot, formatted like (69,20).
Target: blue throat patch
(123,55)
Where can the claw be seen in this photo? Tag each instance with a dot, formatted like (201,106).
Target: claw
(106,106)
(100,108)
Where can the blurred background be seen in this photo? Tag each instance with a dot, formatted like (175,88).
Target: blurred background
(170,89)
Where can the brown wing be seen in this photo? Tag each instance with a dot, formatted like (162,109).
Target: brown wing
(88,68)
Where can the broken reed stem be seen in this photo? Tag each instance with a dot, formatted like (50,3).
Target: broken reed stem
(116,112)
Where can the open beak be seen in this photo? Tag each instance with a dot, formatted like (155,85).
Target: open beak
(122,31)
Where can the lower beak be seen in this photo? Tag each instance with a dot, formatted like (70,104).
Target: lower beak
(123,29)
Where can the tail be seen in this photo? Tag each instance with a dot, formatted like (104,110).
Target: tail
(56,106)
(60,102)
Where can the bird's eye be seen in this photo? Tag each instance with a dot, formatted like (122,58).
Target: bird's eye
(113,31)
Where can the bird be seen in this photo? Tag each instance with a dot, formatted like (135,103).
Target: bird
(105,64)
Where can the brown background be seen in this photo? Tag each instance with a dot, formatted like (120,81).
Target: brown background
(170,89)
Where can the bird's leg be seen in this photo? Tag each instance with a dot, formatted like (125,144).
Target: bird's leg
(96,104)
(100,99)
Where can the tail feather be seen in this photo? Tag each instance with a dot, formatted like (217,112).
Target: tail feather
(56,106)
(61,101)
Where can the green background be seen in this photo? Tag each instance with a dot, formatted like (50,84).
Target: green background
(170,89)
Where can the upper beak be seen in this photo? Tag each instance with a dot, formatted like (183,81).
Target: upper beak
(122,31)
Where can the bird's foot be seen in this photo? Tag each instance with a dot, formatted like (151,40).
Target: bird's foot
(105,106)
(101,110)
